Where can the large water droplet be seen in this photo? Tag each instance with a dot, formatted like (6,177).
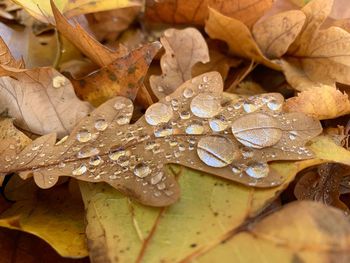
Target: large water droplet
(101,124)
(258,170)
(87,151)
(83,136)
(80,170)
(205,105)
(218,123)
(195,127)
(216,151)
(142,170)
(114,154)
(256,130)
(163,130)
(158,113)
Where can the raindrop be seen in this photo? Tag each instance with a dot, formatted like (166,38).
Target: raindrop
(101,125)
(158,113)
(195,127)
(218,123)
(80,170)
(188,93)
(258,170)
(274,105)
(161,186)
(205,105)
(83,136)
(142,170)
(122,120)
(114,154)
(87,151)
(216,151)
(157,178)
(163,130)
(293,135)
(123,161)
(249,107)
(95,160)
(246,152)
(150,145)
(236,170)
(185,115)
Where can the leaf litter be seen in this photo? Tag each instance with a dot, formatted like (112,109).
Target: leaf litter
(193,150)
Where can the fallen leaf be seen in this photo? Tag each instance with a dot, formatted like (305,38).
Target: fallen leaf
(276,33)
(208,214)
(183,49)
(123,77)
(299,232)
(238,37)
(40,99)
(322,184)
(8,131)
(102,147)
(35,211)
(6,57)
(41,9)
(196,12)
(334,102)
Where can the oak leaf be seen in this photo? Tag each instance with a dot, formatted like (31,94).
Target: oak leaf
(196,126)
(183,49)
(334,102)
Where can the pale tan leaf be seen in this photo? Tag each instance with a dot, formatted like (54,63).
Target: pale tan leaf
(276,33)
(183,49)
(6,57)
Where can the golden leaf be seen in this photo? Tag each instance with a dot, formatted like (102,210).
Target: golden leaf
(196,126)
(183,49)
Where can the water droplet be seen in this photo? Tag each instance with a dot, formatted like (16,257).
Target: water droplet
(163,130)
(122,120)
(157,178)
(205,79)
(218,123)
(95,160)
(101,124)
(274,105)
(80,170)
(158,113)
(293,135)
(114,154)
(142,170)
(256,130)
(123,161)
(236,170)
(188,93)
(161,186)
(195,127)
(87,151)
(216,151)
(83,136)
(58,81)
(247,152)
(258,170)
(150,145)
(185,115)
(205,105)
(173,142)
(249,107)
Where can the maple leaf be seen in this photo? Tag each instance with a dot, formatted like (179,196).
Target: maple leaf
(188,127)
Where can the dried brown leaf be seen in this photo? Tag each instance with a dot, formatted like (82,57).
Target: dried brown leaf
(41,100)
(190,127)
(183,49)
(6,57)
(333,104)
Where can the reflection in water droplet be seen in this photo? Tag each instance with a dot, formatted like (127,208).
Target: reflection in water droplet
(83,136)
(258,170)
(142,170)
(80,170)
(216,151)
(122,120)
(115,153)
(95,160)
(101,125)
(218,123)
(188,93)
(157,178)
(87,151)
(205,105)
(274,105)
(158,113)
(195,127)
(163,130)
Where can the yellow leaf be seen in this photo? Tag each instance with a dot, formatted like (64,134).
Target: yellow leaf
(300,232)
(237,36)
(333,104)
(41,9)
(210,209)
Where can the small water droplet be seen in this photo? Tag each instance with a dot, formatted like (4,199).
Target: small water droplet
(218,123)
(185,115)
(95,160)
(80,170)
(83,136)
(258,170)
(236,170)
(157,178)
(142,170)
(274,105)
(216,151)
(161,186)
(150,145)
(247,152)
(101,124)
(249,107)
(195,127)
(87,151)
(293,135)
(158,113)
(188,93)
(115,153)
(122,120)
(163,130)
(123,161)
(205,105)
